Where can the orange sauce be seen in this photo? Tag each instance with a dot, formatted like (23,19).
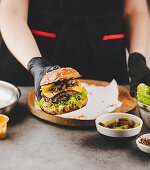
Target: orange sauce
(81,116)
(3,126)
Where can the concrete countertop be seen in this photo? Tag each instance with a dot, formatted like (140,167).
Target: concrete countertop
(33,144)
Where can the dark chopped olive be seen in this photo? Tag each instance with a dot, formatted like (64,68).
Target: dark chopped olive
(110,123)
(102,124)
(126,121)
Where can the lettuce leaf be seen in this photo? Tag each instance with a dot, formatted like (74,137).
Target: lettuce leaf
(143,94)
(74,100)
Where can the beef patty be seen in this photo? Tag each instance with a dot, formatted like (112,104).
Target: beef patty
(62,85)
(63,96)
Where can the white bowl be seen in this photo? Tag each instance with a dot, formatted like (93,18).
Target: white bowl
(142,147)
(145,113)
(120,133)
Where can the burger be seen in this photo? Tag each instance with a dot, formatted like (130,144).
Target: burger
(62,92)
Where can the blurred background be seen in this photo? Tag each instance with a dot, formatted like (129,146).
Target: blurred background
(148,55)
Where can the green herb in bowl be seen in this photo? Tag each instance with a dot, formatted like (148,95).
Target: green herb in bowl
(143,98)
(143,94)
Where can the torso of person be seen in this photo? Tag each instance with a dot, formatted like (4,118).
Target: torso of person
(86,35)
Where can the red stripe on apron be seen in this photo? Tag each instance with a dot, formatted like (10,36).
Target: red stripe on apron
(46,34)
(115,36)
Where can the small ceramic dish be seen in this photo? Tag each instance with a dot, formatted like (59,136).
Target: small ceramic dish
(142,147)
(118,133)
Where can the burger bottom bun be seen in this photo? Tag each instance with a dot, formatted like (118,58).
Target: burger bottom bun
(53,110)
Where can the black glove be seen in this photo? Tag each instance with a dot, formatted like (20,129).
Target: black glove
(138,72)
(38,67)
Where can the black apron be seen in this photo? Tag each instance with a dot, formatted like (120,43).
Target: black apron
(86,35)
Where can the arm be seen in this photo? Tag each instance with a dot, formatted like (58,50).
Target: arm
(20,41)
(15,31)
(137,19)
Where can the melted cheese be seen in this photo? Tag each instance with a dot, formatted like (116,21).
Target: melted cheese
(77,88)
(47,88)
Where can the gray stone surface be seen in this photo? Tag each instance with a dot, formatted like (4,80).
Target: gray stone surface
(33,144)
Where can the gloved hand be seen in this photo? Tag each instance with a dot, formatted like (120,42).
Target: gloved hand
(38,66)
(138,72)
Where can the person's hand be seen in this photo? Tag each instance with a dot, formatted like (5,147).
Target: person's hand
(38,66)
(138,72)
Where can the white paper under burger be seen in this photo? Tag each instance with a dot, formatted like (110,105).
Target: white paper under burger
(100,99)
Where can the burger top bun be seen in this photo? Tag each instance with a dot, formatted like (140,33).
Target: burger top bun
(59,75)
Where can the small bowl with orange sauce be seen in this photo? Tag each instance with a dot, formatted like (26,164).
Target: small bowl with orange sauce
(3,126)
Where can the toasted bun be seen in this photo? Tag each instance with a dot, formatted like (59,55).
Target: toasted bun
(59,75)
(53,110)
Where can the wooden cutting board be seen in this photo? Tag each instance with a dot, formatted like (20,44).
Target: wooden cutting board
(128,104)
